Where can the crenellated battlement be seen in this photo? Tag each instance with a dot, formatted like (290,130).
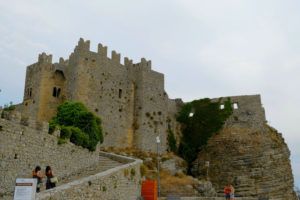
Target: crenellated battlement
(44,58)
(82,45)
(115,57)
(102,50)
(144,64)
(128,62)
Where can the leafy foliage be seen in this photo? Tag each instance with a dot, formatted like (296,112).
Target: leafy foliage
(207,119)
(171,140)
(9,108)
(79,125)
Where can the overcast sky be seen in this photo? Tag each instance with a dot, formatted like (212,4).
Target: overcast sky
(205,48)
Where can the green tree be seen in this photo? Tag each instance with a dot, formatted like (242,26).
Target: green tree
(82,127)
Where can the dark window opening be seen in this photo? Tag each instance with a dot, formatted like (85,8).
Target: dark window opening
(58,92)
(120,93)
(30,92)
(96,110)
(86,59)
(54,92)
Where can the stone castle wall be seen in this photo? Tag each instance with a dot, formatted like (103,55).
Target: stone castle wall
(247,111)
(129,98)
(24,147)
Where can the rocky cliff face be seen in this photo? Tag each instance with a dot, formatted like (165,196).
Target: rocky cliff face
(255,161)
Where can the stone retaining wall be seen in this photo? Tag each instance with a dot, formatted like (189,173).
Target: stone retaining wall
(119,183)
(23,147)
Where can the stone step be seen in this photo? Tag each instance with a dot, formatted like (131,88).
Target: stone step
(103,164)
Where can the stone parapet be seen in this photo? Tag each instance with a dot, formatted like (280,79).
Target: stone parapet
(122,183)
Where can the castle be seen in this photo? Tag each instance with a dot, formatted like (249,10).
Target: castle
(129,98)
(135,109)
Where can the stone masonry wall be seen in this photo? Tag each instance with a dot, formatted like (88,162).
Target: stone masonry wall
(247,111)
(120,183)
(24,147)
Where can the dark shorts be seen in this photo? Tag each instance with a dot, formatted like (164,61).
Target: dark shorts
(227,196)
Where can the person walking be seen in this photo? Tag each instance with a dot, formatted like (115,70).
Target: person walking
(227,191)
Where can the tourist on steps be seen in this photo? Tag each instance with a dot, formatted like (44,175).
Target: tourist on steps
(51,179)
(37,173)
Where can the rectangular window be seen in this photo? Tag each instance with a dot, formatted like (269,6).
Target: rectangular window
(120,93)
(235,106)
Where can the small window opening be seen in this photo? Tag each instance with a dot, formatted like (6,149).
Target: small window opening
(58,92)
(54,92)
(235,106)
(120,93)
(222,106)
(86,59)
(30,92)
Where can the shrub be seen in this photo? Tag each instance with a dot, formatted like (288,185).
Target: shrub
(171,140)
(77,123)
(65,132)
(10,108)
(61,141)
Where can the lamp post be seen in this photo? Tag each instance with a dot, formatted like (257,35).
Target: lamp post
(207,167)
(158,176)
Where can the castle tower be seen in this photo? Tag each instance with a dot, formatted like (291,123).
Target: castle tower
(44,89)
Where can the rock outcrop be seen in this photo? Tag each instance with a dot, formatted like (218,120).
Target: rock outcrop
(255,161)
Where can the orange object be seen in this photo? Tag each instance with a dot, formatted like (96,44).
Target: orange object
(149,190)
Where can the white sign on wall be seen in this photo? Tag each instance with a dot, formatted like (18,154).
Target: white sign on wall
(25,189)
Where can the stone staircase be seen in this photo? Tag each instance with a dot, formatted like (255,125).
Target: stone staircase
(103,165)
(113,177)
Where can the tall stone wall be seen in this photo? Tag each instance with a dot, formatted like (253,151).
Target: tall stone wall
(24,147)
